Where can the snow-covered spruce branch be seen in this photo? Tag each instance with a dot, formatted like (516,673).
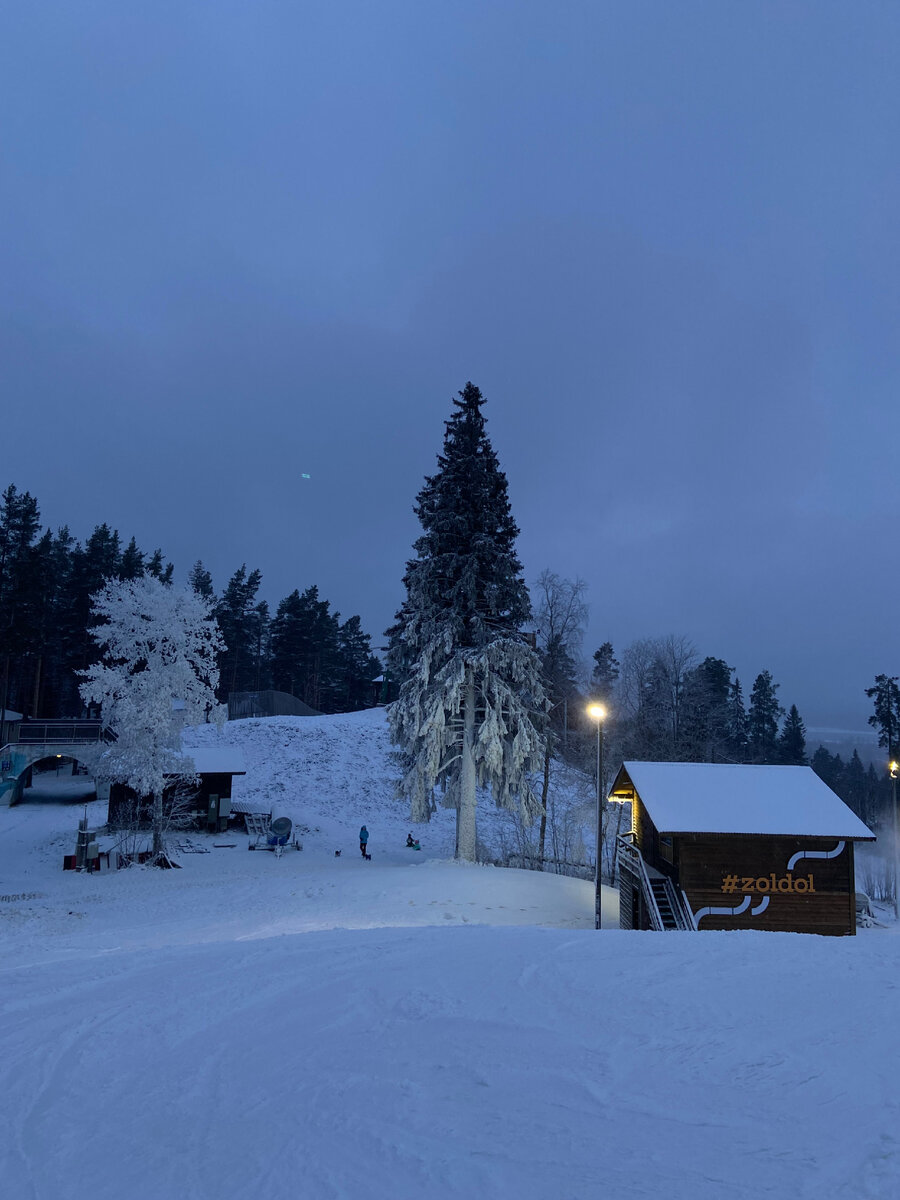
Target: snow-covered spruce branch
(508,739)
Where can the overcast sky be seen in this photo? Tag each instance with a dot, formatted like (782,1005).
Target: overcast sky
(246,241)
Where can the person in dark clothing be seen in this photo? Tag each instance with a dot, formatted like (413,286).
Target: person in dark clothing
(363,841)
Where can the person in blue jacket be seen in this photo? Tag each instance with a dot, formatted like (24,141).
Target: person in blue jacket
(363,841)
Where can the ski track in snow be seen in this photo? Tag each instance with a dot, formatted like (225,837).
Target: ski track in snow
(318,1027)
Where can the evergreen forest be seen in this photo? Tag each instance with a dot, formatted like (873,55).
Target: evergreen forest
(47,579)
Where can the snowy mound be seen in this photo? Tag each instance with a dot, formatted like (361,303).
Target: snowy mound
(332,768)
(333,774)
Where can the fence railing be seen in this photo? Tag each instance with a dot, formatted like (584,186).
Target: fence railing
(59,732)
(549,864)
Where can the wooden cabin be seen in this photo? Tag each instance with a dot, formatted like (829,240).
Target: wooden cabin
(721,846)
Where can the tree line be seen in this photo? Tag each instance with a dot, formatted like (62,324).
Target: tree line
(492,694)
(666,704)
(47,579)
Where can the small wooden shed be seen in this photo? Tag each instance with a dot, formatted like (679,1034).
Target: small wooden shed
(721,846)
(210,800)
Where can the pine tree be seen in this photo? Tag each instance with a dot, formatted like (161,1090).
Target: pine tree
(200,581)
(706,714)
(93,565)
(792,741)
(764,715)
(885,696)
(305,650)
(472,703)
(856,786)
(131,565)
(51,682)
(359,667)
(605,673)
(19,526)
(238,619)
(737,729)
(158,569)
(821,763)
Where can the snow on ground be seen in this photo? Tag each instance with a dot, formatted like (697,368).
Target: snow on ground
(313,1026)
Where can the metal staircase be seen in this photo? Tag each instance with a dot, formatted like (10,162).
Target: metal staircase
(667,906)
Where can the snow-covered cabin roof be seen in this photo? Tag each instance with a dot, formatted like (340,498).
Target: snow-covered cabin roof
(734,799)
(216,760)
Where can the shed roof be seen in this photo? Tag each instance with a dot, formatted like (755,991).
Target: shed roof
(216,760)
(736,799)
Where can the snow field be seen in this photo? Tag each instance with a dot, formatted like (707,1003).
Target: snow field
(410,1063)
(323,1027)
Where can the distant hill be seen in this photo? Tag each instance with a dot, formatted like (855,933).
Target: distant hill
(844,741)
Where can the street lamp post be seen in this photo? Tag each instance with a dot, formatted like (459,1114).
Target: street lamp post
(895,767)
(598,713)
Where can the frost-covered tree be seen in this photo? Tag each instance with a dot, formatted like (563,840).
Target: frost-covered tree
(159,646)
(471,708)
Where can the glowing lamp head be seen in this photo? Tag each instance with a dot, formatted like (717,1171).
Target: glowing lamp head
(895,767)
(597,712)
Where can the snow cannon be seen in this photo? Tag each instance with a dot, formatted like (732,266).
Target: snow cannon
(280,831)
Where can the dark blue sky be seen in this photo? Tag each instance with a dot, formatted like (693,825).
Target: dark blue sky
(246,241)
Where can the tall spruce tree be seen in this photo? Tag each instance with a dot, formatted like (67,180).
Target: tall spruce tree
(792,740)
(471,707)
(765,713)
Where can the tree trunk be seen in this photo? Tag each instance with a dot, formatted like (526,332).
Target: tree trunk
(4,690)
(545,790)
(466,835)
(157,826)
(37,686)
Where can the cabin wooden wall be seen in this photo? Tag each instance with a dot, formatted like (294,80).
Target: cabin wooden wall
(646,838)
(707,864)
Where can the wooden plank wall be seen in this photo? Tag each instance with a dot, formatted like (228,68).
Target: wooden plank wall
(817,896)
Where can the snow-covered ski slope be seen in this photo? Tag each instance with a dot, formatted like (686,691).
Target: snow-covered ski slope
(409,1028)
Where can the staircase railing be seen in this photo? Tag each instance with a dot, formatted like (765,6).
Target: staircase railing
(631,858)
(681,909)
(59,732)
